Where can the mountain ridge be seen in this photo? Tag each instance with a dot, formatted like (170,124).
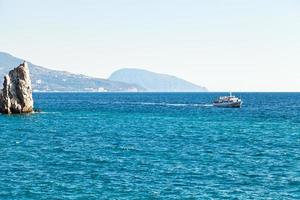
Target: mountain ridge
(48,80)
(154,82)
(138,80)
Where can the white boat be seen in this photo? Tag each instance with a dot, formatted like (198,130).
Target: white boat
(228,102)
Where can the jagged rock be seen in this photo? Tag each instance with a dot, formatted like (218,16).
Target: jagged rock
(16,95)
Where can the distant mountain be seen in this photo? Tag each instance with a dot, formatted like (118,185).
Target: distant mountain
(154,82)
(44,79)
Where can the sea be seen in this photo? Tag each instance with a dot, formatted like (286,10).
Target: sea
(152,146)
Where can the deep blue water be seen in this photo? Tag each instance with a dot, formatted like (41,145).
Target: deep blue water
(152,146)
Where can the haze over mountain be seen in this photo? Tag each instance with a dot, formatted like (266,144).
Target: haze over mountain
(154,82)
(44,79)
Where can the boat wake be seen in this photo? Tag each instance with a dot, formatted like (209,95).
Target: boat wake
(45,112)
(168,104)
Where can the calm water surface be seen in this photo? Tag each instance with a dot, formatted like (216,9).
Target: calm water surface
(152,146)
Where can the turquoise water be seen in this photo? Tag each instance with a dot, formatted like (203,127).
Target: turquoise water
(152,146)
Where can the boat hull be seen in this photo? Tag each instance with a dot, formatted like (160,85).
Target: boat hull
(228,105)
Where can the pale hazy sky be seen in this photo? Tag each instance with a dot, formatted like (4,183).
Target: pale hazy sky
(237,45)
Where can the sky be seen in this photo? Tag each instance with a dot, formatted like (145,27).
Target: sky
(225,45)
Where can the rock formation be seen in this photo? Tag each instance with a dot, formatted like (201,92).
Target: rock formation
(16,95)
